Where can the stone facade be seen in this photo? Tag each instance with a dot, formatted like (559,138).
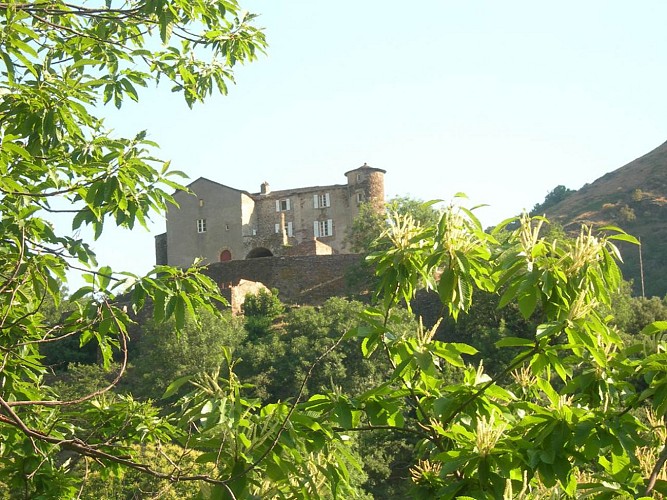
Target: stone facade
(217,223)
(307,279)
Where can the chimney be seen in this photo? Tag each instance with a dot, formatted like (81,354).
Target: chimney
(264,189)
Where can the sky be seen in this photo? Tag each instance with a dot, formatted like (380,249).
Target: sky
(500,100)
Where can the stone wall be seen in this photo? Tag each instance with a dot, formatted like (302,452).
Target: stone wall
(301,280)
(312,247)
(161,256)
(300,216)
(219,207)
(216,222)
(238,293)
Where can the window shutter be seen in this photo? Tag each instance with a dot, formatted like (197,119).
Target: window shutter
(316,200)
(316,229)
(277,205)
(277,228)
(327,200)
(289,229)
(329,227)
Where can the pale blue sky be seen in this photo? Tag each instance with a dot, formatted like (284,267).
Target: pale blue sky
(500,100)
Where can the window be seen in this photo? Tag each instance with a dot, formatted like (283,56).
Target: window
(323,228)
(360,198)
(321,200)
(201,225)
(201,202)
(360,177)
(282,205)
(290,230)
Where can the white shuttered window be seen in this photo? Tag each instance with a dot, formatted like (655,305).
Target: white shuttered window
(289,228)
(323,228)
(283,205)
(321,200)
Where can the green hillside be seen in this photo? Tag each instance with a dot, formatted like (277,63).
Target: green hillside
(633,197)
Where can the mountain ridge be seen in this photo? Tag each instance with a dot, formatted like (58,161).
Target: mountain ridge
(634,198)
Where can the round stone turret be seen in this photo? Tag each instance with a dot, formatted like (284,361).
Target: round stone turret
(366,185)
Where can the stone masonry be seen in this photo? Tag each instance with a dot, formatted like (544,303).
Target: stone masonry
(307,279)
(217,223)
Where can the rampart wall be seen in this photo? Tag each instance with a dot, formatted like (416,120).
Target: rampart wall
(307,279)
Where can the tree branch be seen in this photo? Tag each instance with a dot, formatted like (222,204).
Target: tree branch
(87,397)
(534,350)
(293,406)
(657,469)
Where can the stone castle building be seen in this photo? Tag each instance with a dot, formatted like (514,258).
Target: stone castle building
(218,223)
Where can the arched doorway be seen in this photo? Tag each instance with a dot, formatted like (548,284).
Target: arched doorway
(258,252)
(225,256)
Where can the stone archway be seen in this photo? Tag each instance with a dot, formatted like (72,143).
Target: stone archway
(225,256)
(258,252)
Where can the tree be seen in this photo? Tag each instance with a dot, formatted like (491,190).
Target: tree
(553,197)
(165,354)
(58,62)
(571,419)
(277,363)
(260,311)
(363,236)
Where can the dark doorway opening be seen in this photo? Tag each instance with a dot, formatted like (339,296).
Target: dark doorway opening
(258,252)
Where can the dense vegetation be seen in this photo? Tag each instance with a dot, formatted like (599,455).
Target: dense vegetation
(274,347)
(631,197)
(552,399)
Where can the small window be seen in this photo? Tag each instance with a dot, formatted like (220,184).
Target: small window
(360,198)
(360,177)
(323,228)
(201,202)
(283,205)
(289,228)
(227,227)
(201,225)
(254,231)
(321,200)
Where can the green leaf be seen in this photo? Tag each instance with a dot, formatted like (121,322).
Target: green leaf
(86,62)
(15,148)
(655,327)
(527,303)
(515,342)
(176,385)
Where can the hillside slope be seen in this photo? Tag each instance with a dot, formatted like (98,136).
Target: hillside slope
(633,197)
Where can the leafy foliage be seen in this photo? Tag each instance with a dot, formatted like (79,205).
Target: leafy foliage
(567,422)
(573,411)
(260,310)
(277,363)
(363,236)
(553,197)
(58,61)
(367,233)
(165,354)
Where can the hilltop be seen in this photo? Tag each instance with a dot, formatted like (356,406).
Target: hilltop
(634,198)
